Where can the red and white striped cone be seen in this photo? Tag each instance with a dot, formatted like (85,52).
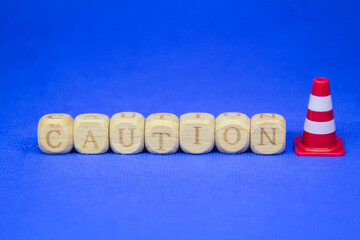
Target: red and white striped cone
(319,136)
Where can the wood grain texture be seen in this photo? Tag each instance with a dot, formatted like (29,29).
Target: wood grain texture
(127,132)
(55,133)
(232,134)
(197,132)
(162,133)
(268,133)
(91,133)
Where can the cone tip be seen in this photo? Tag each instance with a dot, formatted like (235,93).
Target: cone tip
(321,87)
(321,80)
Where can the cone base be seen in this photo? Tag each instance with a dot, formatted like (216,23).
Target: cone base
(334,151)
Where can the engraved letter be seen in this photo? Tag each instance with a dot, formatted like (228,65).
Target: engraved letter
(238,135)
(57,116)
(92,116)
(161,139)
(48,139)
(123,115)
(263,132)
(91,136)
(161,116)
(267,115)
(197,134)
(232,114)
(121,137)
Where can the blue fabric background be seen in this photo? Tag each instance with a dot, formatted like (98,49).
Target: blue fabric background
(177,56)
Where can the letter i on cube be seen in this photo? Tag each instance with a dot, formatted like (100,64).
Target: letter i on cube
(197,133)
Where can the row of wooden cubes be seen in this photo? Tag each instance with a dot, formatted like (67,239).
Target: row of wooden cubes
(162,133)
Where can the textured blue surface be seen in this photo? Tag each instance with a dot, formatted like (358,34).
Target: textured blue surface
(214,56)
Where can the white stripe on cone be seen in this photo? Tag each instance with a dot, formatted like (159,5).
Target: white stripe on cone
(320,104)
(319,127)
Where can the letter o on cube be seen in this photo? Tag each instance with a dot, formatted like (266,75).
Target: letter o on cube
(232,132)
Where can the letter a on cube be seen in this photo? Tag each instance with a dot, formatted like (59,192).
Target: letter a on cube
(268,133)
(127,132)
(55,133)
(91,133)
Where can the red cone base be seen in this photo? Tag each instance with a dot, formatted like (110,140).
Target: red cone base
(334,151)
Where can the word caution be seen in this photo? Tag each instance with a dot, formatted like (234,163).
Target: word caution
(162,133)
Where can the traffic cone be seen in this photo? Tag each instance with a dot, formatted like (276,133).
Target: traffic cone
(319,136)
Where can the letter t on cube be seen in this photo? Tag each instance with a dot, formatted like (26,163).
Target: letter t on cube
(162,133)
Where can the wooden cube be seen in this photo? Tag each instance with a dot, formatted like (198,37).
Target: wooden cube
(91,133)
(197,132)
(232,133)
(268,133)
(55,133)
(127,132)
(162,133)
